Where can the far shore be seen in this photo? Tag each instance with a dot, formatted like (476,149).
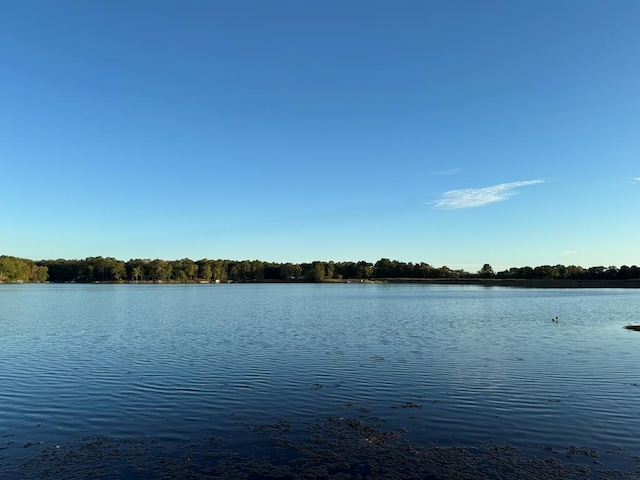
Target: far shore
(523,283)
(484,282)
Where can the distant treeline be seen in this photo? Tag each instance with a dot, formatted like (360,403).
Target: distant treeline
(99,269)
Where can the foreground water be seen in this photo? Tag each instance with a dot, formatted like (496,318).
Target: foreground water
(444,365)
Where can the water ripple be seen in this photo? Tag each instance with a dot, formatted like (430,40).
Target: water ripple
(449,364)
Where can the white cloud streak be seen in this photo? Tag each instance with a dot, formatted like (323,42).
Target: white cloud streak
(451,171)
(479,197)
(637,179)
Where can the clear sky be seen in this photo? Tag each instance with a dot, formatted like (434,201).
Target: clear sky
(456,133)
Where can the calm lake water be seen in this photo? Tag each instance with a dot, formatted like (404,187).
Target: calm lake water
(448,365)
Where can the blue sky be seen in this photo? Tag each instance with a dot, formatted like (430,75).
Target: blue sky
(456,133)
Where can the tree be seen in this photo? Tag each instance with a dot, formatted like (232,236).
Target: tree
(39,274)
(596,272)
(330,270)
(160,270)
(219,271)
(235,272)
(383,268)
(316,272)
(424,270)
(118,271)
(624,273)
(346,270)
(364,269)
(137,269)
(486,271)
(180,276)
(61,270)
(136,273)
(545,271)
(444,272)
(190,268)
(257,270)
(271,271)
(13,269)
(574,272)
(289,271)
(205,271)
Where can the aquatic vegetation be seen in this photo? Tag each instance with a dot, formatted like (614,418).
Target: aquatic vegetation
(351,447)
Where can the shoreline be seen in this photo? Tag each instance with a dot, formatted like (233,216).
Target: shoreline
(484,282)
(523,283)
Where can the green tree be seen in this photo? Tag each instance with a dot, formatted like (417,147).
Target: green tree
(136,273)
(624,272)
(161,270)
(316,272)
(257,270)
(61,270)
(190,269)
(596,272)
(219,271)
(289,271)
(424,270)
(545,271)
(205,271)
(235,272)
(346,270)
(39,274)
(444,272)
(137,269)
(330,270)
(486,271)
(118,271)
(13,269)
(383,268)
(364,270)
(180,276)
(574,272)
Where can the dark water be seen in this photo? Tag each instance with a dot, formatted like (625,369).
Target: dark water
(447,365)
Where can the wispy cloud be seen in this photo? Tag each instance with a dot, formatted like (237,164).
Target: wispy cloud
(636,179)
(451,171)
(479,197)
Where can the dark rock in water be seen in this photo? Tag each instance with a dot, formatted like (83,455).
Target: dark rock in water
(633,327)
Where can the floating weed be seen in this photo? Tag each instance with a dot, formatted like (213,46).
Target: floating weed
(407,405)
(334,448)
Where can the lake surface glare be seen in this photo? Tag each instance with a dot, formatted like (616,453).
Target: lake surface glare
(117,381)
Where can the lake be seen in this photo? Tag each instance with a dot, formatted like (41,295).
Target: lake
(276,380)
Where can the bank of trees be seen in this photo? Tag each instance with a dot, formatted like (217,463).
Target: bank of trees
(17,270)
(109,269)
(99,269)
(572,272)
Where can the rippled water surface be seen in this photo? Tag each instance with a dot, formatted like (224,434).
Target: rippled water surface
(451,365)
